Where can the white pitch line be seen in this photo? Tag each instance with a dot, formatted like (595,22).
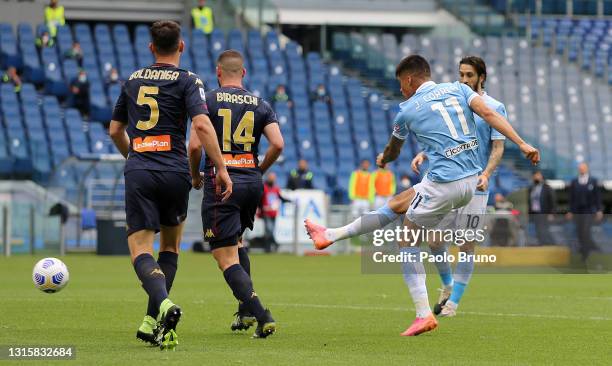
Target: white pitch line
(479,313)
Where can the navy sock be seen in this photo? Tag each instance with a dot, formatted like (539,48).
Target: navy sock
(242,287)
(152,278)
(245,262)
(168,262)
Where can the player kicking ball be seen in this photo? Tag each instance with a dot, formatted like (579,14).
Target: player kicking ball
(440,117)
(473,73)
(149,128)
(240,119)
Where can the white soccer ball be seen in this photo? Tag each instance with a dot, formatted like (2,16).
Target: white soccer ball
(50,275)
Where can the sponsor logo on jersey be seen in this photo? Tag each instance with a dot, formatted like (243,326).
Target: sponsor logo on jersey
(456,150)
(239,160)
(152,143)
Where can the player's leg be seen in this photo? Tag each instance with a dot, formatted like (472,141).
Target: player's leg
(243,318)
(242,287)
(414,276)
(471,217)
(397,206)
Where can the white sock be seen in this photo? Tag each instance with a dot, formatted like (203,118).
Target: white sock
(414,276)
(364,224)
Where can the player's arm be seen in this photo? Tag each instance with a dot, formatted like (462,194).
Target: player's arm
(497,151)
(117,132)
(275,138)
(118,125)
(194,152)
(208,138)
(498,122)
(418,160)
(391,152)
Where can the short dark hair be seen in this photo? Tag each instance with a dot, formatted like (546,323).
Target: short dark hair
(478,64)
(414,64)
(231,61)
(165,36)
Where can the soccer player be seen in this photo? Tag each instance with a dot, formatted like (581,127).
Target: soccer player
(240,119)
(436,113)
(149,127)
(473,73)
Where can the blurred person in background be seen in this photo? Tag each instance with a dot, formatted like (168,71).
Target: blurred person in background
(75,53)
(270,205)
(79,92)
(300,178)
(44,40)
(361,189)
(320,94)
(202,17)
(383,182)
(541,203)
(54,17)
(404,183)
(11,76)
(585,208)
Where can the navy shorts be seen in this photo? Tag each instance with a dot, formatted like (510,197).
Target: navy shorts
(154,198)
(224,222)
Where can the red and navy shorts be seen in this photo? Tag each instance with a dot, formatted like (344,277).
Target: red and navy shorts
(154,198)
(224,222)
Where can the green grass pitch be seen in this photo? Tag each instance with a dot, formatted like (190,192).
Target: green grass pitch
(327,312)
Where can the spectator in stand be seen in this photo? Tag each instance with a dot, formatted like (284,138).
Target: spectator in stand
(75,53)
(45,40)
(404,183)
(585,208)
(280,95)
(113,78)
(320,94)
(202,17)
(541,203)
(270,205)
(11,76)
(54,17)
(79,92)
(300,178)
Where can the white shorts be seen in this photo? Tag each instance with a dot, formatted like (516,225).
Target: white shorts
(380,201)
(434,200)
(472,215)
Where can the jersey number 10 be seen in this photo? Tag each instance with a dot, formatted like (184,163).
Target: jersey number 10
(452,101)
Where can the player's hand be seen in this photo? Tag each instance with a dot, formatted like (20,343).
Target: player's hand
(197,182)
(224,181)
(599,216)
(569,216)
(531,153)
(483,183)
(379,161)
(416,163)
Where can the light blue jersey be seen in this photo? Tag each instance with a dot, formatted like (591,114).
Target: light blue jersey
(486,134)
(441,118)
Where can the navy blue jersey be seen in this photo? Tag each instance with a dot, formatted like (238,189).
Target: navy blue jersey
(155,103)
(239,118)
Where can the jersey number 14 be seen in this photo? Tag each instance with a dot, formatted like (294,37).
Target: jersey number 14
(244,131)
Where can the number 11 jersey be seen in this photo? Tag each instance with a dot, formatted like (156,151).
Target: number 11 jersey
(441,118)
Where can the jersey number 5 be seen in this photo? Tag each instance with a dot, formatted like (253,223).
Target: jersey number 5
(244,131)
(452,101)
(143,99)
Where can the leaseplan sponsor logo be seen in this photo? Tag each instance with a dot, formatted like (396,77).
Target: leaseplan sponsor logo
(152,143)
(456,150)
